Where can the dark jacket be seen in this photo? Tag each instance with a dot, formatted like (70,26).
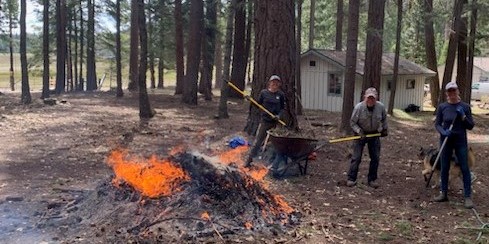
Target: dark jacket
(446,114)
(273,102)
(366,121)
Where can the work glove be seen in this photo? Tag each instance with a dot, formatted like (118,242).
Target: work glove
(383,133)
(276,118)
(446,133)
(460,111)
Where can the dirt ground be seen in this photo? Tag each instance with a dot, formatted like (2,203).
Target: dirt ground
(50,154)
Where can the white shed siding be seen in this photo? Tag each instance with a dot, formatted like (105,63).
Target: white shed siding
(404,96)
(314,82)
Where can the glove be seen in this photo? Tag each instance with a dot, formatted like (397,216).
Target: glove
(276,118)
(383,133)
(247,97)
(460,111)
(446,133)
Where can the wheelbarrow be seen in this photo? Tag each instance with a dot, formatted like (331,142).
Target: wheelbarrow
(299,150)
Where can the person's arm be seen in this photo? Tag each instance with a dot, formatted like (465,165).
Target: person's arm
(261,97)
(468,121)
(439,120)
(354,120)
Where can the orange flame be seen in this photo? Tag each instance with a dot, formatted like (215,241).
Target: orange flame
(205,216)
(233,156)
(248,225)
(152,177)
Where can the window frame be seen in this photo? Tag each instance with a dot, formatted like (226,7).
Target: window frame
(339,82)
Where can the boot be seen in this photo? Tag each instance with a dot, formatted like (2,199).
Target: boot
(468,203)
(441,198)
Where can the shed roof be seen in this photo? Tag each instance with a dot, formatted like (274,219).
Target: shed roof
(406,67)
(482,63)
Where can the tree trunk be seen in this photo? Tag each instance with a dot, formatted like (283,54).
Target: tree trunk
(298,85)
(373,54)
(218,60)
(69,63)
(118,56)
(396,58)
(311,23)
(351,65)
(151,51)
(179,47)
(339,25)
(145,111)
(228,42)
(431,59)
(275,53)
(60,46)
(209,46)
(161,50)
(82,37)
(238,68)
(11,50)
(247,48)
(134,48)
(26,94)
(45,50)
(452,48)
(462,60)
(91,69)
(193,57)
(471,40)
(75,55)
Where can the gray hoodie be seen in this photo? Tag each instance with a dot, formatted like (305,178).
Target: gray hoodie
(365,121)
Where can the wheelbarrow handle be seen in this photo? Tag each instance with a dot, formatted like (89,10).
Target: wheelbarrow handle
(254,102)
(350,138)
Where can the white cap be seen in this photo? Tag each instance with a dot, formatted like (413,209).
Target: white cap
(371,92)
(451,85)
(274,77)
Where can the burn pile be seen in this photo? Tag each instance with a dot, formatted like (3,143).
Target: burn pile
(185,197)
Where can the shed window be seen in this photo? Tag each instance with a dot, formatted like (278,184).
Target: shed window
(312,63)
(410,83)
(334,84)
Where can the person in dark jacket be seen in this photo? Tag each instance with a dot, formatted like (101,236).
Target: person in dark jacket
(458,113)
(273,99)
(368,117)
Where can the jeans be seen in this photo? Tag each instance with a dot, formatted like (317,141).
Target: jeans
(260,138)
(461,151)
(374,153)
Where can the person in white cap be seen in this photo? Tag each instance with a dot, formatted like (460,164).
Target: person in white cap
(458,113)
(368,117)
(273,99)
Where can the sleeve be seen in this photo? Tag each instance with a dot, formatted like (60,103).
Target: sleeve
(354,120)
(468,123)
(261,97)
(282,102)
(439,120)
(383,120)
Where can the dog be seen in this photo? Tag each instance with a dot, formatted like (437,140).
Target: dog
(428,156)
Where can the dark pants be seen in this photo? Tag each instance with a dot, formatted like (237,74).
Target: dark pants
(374,153)
(260,138)
(461,151)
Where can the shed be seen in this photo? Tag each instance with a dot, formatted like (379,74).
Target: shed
(323,72)
(480,72)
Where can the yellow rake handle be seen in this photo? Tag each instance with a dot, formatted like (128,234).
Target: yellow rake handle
(352,138)
(254,102)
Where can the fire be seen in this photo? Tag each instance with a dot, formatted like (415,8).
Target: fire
(205,216)
(152,177)
(248,225)
(234,155)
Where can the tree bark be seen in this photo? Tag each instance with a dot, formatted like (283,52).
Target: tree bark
(238,68)
(134,48)
(373,55)
(208,49)
(145,111)
(431,59)
(462,60)
(396,58)
(228,42)
(298,85)
(247,48)
(452,48)
(275,53)
(351,65)
(339,25)
(75,55)
(45,50)
(91,68)
(60,46)
(11,49)
(179,46)
(311,23)
(471,40)
(26,94)
(118,56)
(82,37)
(194,45)
(151,50)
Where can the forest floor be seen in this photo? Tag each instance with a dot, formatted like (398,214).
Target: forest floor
(50,153)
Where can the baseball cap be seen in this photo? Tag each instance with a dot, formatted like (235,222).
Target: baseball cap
(275,77)
(371,92)
(451,85)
